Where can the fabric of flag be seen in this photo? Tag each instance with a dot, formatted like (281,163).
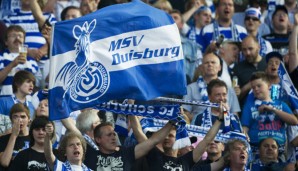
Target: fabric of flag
(288,86)
(129,50)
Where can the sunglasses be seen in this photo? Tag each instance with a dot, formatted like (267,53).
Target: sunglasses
(251,18)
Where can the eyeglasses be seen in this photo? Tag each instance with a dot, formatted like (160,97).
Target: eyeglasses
(16,36)
(251,18)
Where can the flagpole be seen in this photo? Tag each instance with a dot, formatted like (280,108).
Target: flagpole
(186,102)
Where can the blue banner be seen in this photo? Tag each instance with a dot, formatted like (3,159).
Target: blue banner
(288,86)
(129,50)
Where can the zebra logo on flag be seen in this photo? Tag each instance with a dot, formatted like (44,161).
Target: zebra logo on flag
(84,80)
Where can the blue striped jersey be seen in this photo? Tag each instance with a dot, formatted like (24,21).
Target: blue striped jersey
(25,19)
(5,59)
(206,35)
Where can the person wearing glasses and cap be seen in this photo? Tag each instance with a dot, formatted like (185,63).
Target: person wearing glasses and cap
(253,26)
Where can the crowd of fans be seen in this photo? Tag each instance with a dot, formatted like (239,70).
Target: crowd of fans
(232,56)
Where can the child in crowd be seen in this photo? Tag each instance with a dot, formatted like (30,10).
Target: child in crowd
(263,116)
(23,85)
(33,158)
(18,139)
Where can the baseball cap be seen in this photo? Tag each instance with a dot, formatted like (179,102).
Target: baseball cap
(253,12)
(273,54)
(203,8)
(280,8)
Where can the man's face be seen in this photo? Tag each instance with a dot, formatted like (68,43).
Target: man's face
(225,10)
(272,67)
(215,147)
(22,119)
(238,154)
(211,65)
(280,21)
(269,150)
(203,18)
(107,140)
(14,40)
(74,150)
(169,141)
(252,24)
(260,89)
(250,50)
(178,20)
(27,87)
(218,94)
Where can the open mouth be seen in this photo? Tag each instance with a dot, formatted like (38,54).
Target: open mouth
(242,157)
(76,153)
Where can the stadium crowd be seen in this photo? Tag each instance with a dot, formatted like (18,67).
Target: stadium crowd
(234,55)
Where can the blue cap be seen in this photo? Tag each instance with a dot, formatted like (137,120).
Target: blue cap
(203,8)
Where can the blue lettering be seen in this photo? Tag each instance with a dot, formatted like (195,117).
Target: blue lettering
(170,52)
(126,42)
(148,53)
(116,59)
(113,45)
(135,43)
(175,51)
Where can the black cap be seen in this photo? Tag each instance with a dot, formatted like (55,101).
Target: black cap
(280,8)
(273,54)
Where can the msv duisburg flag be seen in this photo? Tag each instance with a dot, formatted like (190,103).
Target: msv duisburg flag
(129,50)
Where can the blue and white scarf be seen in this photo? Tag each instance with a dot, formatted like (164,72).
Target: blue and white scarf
(90,142)
(202,89)
(235,33)
(67,166)
(153,125)
(207,118)
(230,122)
(262,42)
(168,112)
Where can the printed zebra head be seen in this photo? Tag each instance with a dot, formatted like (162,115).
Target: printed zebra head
(82,34)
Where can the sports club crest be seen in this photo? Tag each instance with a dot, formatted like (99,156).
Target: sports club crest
(82,79)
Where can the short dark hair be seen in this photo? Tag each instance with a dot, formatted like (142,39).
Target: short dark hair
(16,28)
(20,77)
(262,140)
(38,122)
(97,130)
(65,10)
(217,2)
(215,83)
(19,107)
(260,75)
